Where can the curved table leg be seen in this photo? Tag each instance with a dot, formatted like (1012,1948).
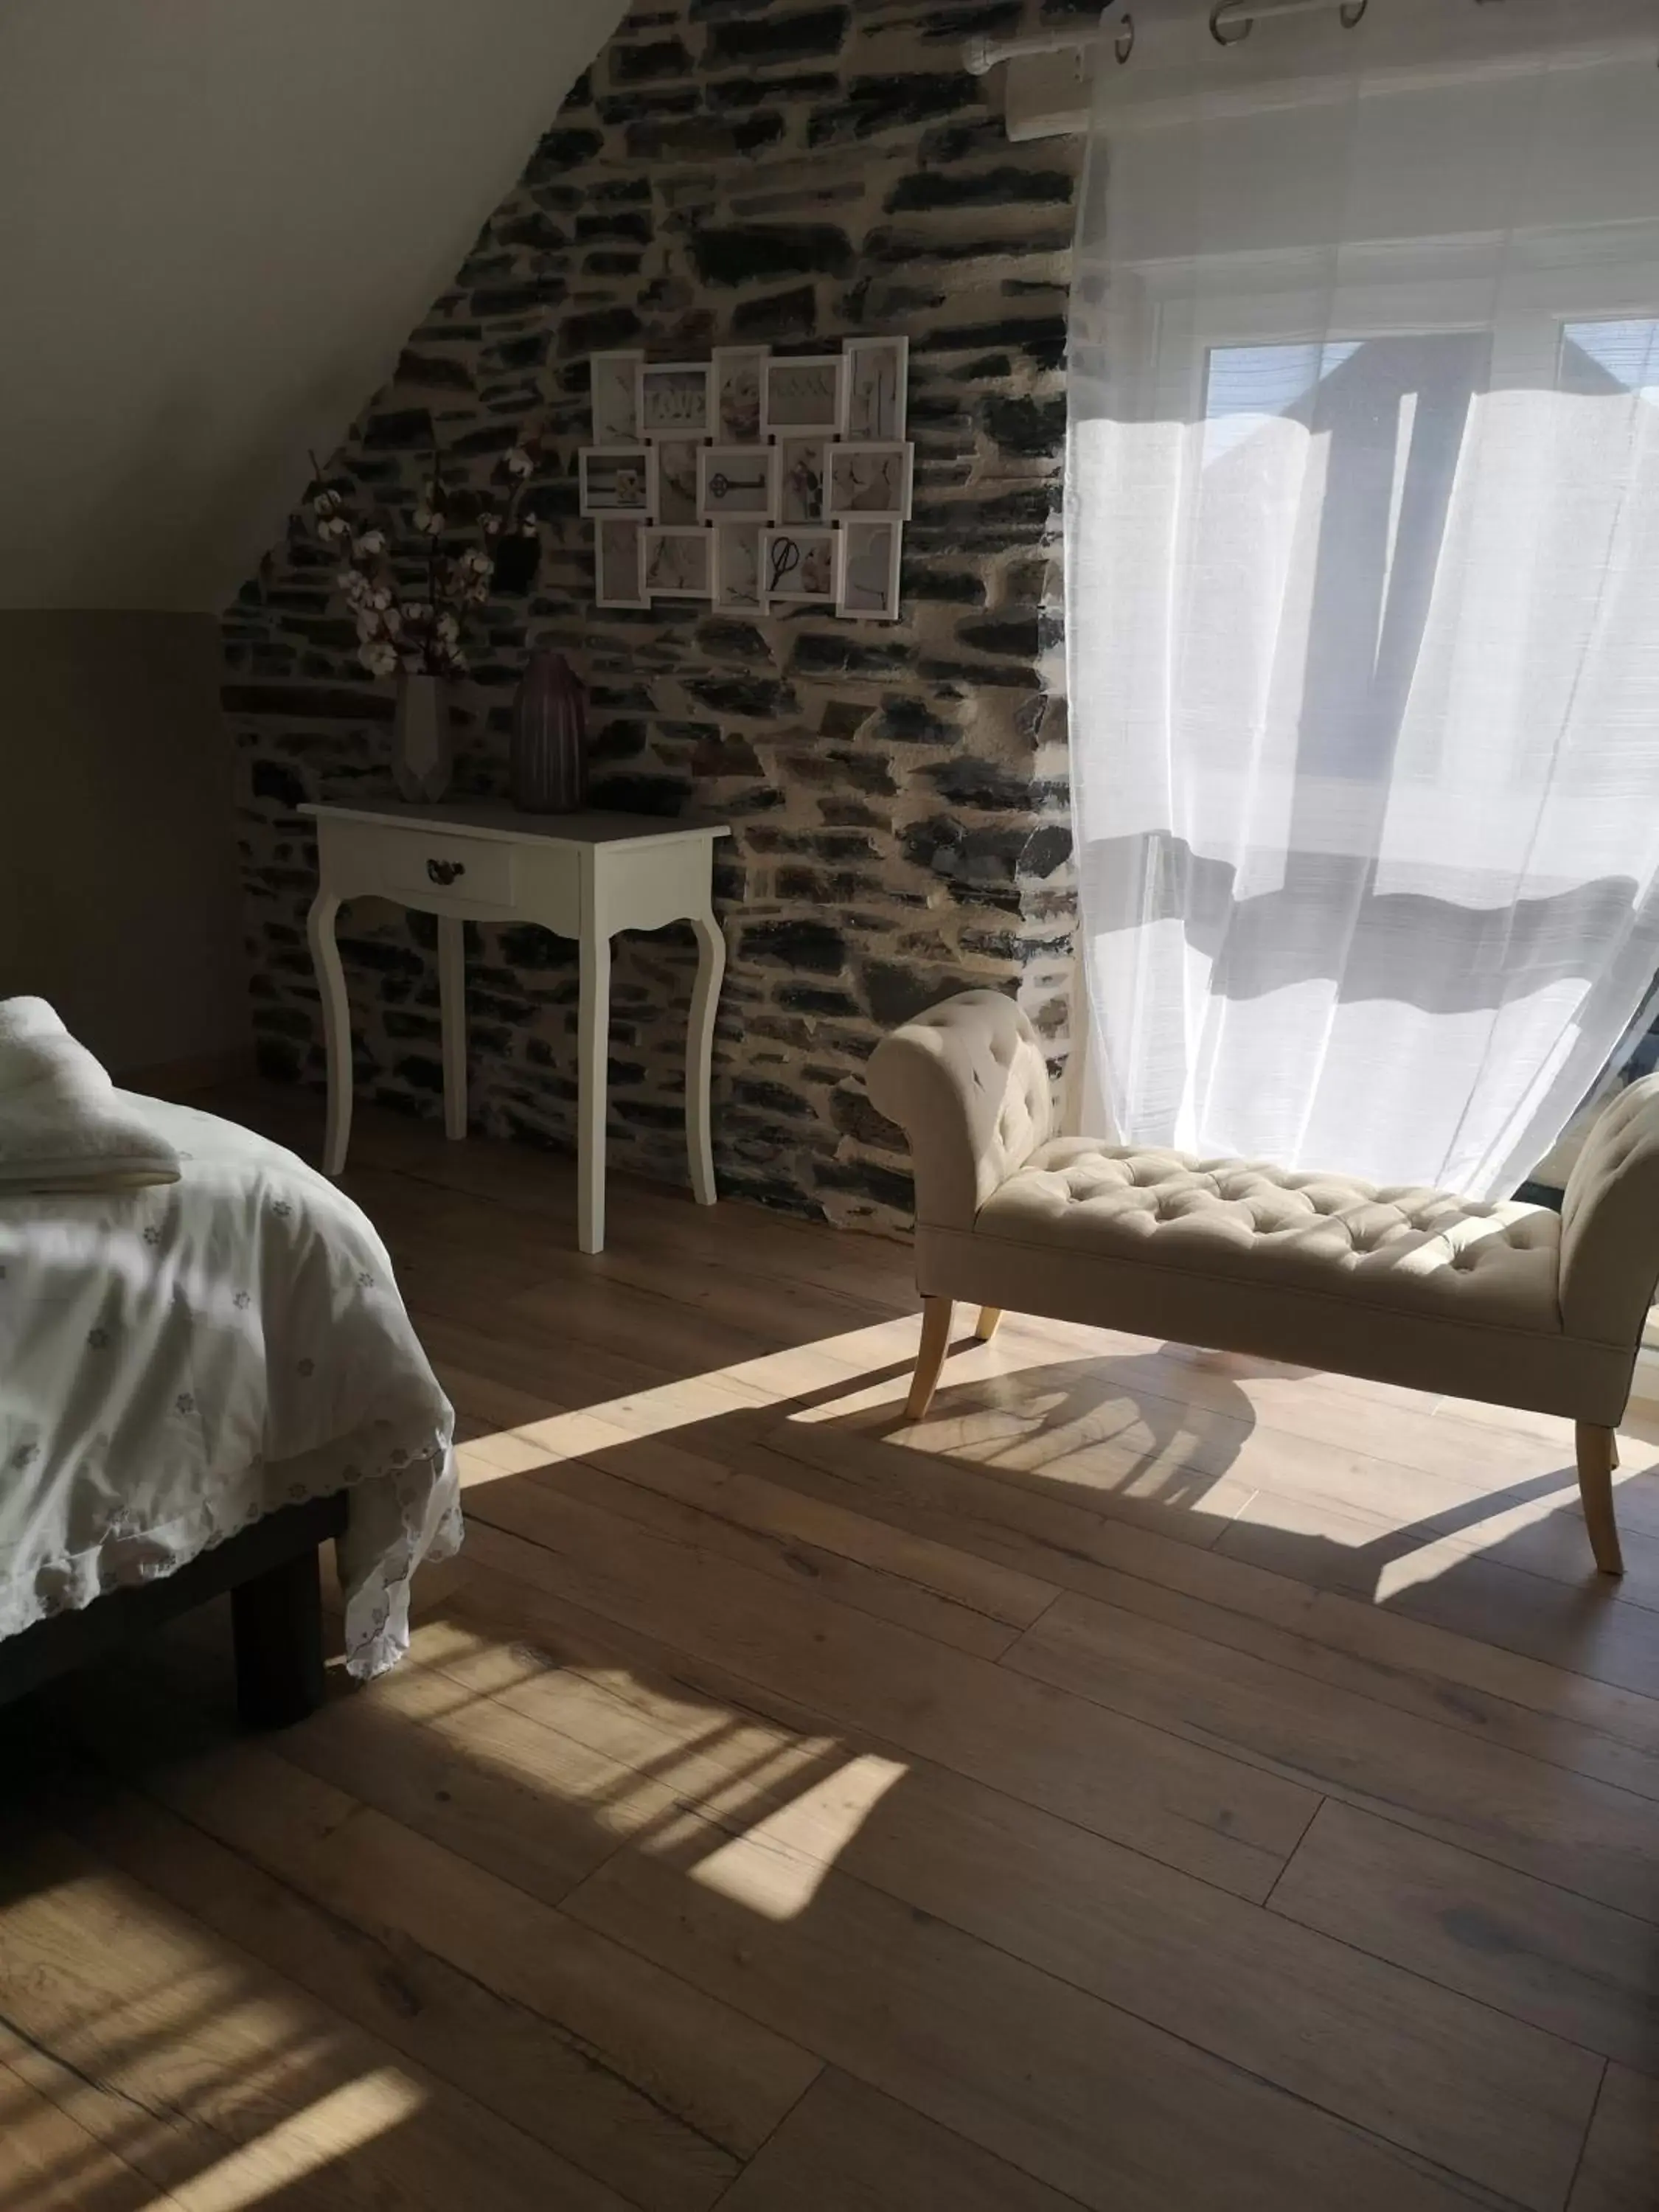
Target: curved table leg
(700,1055)
(593,1051)
(336,1027)
(452,1005)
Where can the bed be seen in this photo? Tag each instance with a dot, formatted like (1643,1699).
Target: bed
(200,1382)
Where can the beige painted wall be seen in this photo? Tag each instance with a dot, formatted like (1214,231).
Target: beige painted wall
(118,892)
(218,223)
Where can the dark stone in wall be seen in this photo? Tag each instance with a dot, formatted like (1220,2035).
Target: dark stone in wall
(878,104)
(990,19)
(812,947)
(307,703)
(401,428)
(1040,336)
(845,655)
(1004,187)
(633,65)
(533,229)
(756,252)
(635,106)
(864,1180)
(1025,426)
(433,370)
(779,315)
(756,695)
(799,35)
(895,993)
(566,150)
(272,780)
(1046,850)
(627,226)
(518,299)
(598,331)
(1011,634)
(751,91)
(700,139)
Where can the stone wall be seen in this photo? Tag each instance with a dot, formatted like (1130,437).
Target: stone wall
(727,170)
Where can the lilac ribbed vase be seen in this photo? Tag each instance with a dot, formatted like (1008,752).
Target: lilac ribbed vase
(547,765)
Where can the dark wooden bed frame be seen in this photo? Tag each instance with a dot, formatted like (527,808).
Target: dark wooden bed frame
(272,1573)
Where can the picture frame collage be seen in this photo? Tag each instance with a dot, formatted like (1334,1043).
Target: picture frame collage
(751,479)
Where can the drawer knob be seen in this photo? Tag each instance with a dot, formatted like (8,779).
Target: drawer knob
(445,872)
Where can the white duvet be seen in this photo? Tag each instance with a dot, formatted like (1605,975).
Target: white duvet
(177,1360)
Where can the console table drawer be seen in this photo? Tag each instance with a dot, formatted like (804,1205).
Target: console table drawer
(474,871)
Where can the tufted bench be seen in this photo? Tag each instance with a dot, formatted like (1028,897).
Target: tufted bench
(1508,1303)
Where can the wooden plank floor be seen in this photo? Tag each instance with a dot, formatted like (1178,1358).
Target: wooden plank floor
(1156,1783)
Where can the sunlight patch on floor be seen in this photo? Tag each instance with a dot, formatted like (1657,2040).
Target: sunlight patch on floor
(801,1841)
(329,2128)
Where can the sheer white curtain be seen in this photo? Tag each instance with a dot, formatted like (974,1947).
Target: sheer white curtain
(1363,578)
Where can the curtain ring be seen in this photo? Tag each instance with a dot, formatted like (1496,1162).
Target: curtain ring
(1124,45)
(1229,35)
(1353,12)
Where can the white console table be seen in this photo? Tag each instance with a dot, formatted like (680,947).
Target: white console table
(584,875)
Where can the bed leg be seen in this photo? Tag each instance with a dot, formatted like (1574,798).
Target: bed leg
(277,1621)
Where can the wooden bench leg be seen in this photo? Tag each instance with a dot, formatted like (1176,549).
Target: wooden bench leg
(277,1619)
(935,1343)
(988,1318)
(1598,1455)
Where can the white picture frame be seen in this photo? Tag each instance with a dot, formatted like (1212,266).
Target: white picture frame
(678,563)
(804,478)
(737,383)
(878,380)
(673,399)
(738,566)
(606,480)
(869,479)
(678,479)
(801,566)
(614,386)
(804,392)
(619,562)
(867,587)
(737,482)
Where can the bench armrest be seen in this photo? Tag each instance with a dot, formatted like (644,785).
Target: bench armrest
(967,1083)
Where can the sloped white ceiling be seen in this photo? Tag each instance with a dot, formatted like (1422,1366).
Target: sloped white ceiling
(219,219)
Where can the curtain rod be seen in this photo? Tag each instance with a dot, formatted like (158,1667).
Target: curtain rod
(1230,20)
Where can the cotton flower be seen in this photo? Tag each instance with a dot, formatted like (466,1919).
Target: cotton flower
(491,525)
(379,658)
(429,521)
(448,629)
(519,463)
(371,542)
(326,503)
(333,525)
(477,562)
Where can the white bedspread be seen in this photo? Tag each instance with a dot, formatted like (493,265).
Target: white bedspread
(177,1360)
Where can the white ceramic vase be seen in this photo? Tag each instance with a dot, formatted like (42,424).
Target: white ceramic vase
(422,753)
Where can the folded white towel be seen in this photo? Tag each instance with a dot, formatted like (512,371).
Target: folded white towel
(63,1124)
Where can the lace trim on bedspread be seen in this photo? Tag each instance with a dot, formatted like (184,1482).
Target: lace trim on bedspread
(404,1507)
